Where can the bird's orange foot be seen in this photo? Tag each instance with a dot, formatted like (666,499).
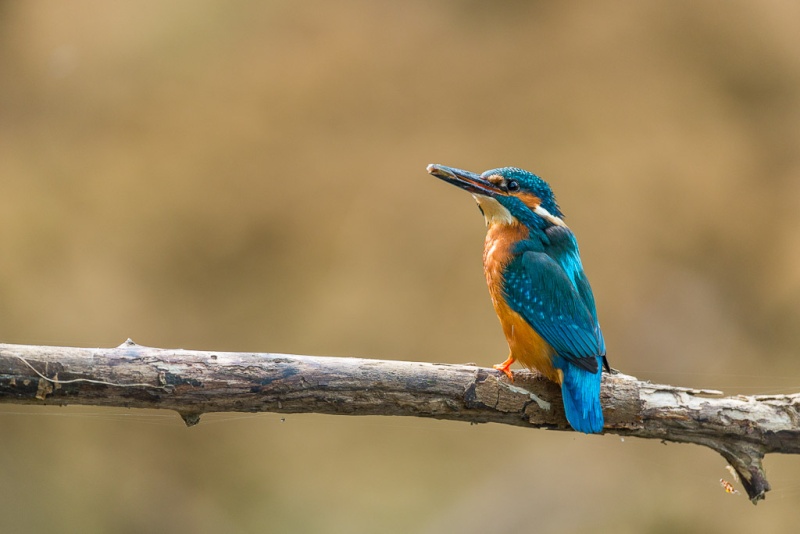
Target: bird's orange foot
(505,367)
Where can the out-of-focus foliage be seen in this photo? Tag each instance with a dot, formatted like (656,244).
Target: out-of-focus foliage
(251,176)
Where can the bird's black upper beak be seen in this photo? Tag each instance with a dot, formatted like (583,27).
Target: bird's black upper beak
(464,179)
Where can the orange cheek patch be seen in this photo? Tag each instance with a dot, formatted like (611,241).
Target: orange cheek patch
(530,200)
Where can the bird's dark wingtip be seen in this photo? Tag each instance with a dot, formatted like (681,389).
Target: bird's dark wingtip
(587,363)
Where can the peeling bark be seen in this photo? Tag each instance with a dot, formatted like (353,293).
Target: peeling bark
(741,428)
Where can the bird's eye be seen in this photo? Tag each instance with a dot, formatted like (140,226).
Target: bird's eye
(512,185)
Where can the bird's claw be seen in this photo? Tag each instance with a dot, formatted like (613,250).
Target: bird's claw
(504,368)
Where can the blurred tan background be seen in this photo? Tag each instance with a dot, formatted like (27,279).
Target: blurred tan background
(250,176)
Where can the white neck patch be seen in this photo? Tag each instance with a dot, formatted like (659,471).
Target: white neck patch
(549,217)
(493,211)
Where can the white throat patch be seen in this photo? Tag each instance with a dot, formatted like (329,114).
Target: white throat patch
(493,211)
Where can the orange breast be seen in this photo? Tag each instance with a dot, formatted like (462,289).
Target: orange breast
(527,346)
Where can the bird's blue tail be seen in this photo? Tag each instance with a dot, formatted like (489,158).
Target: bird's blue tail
(581,391)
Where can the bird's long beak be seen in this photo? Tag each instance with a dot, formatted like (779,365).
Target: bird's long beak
(465,180)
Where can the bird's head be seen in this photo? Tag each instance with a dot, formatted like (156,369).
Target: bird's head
(506,195)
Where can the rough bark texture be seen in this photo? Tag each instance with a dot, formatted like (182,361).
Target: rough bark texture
(743,428)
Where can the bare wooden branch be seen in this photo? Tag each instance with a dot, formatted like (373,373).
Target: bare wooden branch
(742,428)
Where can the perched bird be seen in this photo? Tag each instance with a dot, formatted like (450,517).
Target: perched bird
(538,288)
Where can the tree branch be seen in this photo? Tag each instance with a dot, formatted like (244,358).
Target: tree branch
(742,428)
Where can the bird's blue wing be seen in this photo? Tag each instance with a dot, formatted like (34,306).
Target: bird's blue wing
(542,291)
(585,291)
(563,248)
(546,285)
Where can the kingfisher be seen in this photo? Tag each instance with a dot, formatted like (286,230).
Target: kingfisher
(538,288)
